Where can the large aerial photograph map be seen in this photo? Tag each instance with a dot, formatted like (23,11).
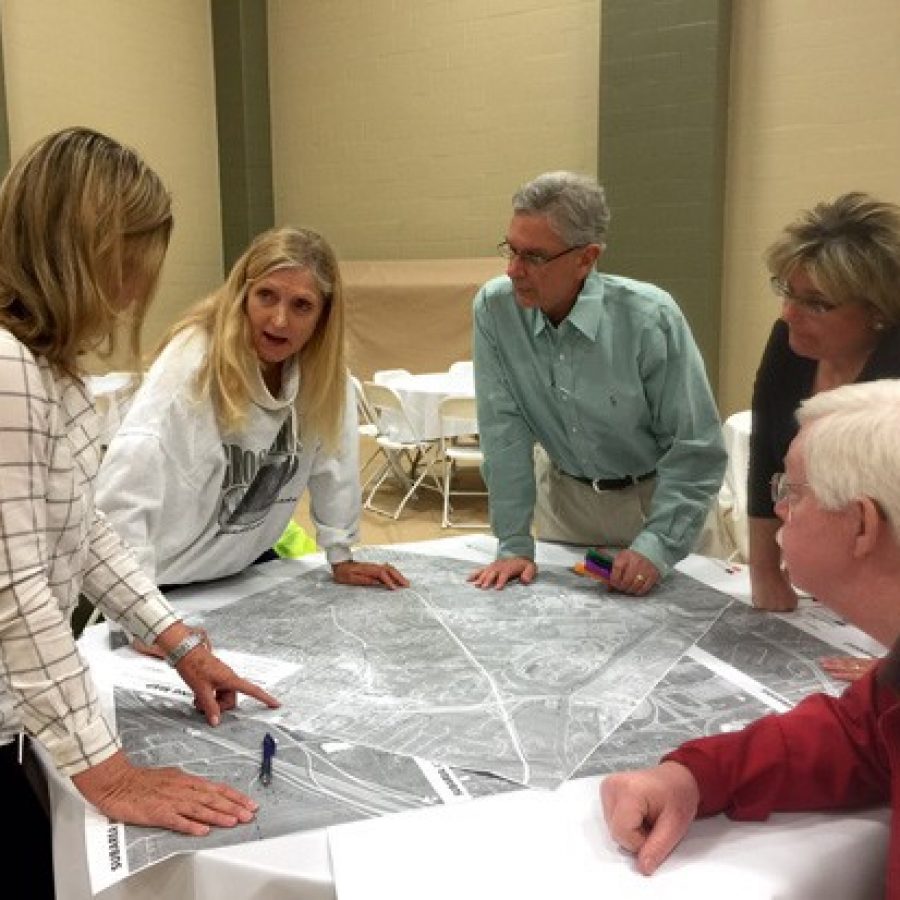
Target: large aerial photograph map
(441,692)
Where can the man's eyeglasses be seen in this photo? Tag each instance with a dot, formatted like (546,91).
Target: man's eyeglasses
(815,304)
(782,489)
(531,258)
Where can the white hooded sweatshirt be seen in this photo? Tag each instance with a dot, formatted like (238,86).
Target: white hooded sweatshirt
(196,504)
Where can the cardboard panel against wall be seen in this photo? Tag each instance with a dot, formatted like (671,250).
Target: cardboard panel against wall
(411,314)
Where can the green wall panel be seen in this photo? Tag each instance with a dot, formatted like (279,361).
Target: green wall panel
(240,53)
(664,69)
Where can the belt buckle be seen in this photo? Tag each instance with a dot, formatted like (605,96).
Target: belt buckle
(625,481)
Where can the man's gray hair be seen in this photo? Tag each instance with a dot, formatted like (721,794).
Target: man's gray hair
(851,444)
(575,205)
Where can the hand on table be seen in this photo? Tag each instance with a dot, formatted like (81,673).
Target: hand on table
(215,685)
(649,811)
(166,797)
(368,574)
(847,668)
(633,573)
(501,571)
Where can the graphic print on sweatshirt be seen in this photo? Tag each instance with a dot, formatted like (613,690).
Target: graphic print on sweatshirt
(253,480)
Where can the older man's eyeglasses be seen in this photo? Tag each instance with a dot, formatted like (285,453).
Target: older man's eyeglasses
(814,304)
(532,258)
(782,489)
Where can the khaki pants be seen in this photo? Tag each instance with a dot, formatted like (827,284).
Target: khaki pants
(572,512)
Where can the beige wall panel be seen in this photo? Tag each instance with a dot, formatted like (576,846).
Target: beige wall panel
(411,314)
(814,113)
(143,73)
(400,128)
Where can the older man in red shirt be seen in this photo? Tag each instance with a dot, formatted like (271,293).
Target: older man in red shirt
(839,503)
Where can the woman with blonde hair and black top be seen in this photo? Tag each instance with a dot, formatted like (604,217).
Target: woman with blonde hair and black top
(836,269)
(84,228)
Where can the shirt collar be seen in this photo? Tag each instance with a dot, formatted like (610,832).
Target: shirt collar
(585,314)
(290,381)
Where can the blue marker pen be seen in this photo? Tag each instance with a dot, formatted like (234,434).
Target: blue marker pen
(265,768)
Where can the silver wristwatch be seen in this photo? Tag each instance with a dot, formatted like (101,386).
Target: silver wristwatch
(183,647)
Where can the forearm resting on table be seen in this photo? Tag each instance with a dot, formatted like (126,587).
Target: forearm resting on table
(770,585)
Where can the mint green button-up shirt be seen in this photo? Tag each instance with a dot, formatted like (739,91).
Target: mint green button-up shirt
(618,388)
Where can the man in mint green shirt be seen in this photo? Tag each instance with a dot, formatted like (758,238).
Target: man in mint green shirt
(595,414)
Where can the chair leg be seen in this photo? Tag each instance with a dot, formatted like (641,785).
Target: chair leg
(421,460)
(448,476)
(448,507)
(409,494)
(386,471)
(373,475)
(376,474)
(395,462)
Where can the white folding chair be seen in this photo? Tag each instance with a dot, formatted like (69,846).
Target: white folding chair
(397,437)
(367,425)
(459,448)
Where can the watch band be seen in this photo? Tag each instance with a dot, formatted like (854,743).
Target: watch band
(183,647)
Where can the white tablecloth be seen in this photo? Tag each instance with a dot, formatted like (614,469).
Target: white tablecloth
(725,534)
(421,396)
(476,849)
(733,496)
(535,846)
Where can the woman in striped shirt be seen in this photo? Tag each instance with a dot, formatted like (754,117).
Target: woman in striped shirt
(84,228)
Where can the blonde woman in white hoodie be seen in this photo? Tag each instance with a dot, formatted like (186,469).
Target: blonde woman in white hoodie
(247,405)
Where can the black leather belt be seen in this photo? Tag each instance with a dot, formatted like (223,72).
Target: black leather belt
(612,484)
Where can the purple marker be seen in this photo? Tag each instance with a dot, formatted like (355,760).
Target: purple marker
(596,568)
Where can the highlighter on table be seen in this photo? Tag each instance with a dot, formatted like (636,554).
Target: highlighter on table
(597,564)
(592,571)
(601,557)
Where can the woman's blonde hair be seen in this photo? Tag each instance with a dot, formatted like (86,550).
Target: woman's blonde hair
(230,367)
(82,220)
(851,249)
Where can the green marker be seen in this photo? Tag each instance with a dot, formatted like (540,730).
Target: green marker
(601,557)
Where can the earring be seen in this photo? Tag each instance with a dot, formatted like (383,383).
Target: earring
(879,325)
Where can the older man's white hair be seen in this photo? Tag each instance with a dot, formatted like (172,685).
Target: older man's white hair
(851,446)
